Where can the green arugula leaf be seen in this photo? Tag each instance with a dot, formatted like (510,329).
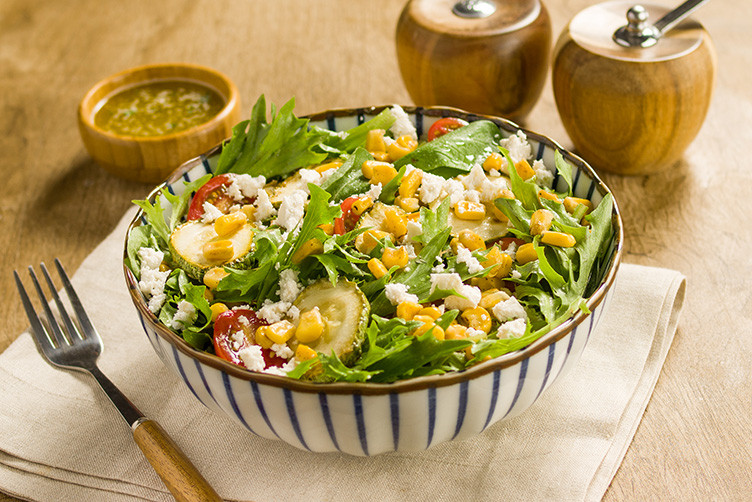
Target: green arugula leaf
(347,180)
(457,150)
(270,149)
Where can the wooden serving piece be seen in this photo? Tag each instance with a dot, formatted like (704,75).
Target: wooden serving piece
(484,56)
(632,106)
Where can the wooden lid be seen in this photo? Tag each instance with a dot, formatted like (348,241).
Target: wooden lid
(594,27)
(507,16)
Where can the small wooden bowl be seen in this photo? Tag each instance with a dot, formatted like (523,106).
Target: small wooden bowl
(631,111)
(152,159)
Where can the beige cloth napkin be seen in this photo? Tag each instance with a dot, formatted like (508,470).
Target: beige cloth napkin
(60,439)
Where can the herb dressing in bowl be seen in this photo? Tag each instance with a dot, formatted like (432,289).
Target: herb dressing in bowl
(158,108)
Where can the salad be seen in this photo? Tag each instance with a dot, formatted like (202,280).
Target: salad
(369,255)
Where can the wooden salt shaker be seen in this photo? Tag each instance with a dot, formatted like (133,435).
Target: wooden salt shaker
(632,95)
(484,56)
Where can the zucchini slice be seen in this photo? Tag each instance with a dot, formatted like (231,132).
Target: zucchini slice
(345,311)
(489,228)
(187,247)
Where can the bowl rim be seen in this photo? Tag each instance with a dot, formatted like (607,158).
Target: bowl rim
(232,100)
(410,384)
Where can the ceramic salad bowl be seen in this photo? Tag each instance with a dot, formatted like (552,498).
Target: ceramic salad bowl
(408,415)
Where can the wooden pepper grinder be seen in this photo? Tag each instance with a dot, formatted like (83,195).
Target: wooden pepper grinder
(633,95)
(484,56)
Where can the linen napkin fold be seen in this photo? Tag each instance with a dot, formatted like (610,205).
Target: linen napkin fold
(60,439)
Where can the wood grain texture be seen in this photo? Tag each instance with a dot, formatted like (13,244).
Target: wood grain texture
(480,65)
(695,439)
(632,117)
(180,476)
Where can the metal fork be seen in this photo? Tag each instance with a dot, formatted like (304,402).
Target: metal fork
(77,347)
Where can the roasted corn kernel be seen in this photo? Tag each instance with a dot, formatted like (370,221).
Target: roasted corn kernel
(280,332)
(394,222)
(228,224)
(216,309)
(218,251)
(377,268)
(310,326)
(362,205)
(213,276)
(559,239)
(395,257)
(408,310)
(524,170)
(466,210)
(541,221)
(303,352)
(526,253)
(375,141)
(309,247)
(471,240)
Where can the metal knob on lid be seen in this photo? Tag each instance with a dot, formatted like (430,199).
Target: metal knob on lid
(632,96)
(484,56)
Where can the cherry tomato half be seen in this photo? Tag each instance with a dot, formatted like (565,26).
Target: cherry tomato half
(443,126)
(348,220)
(246,322)
(213,192)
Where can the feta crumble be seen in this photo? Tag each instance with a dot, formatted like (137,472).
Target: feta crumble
(465,256)
(291,211)
(273,312)
(282,350)
(264,206)
(152,280)
(397,293)
(211,213)
(512,329)
(252,357)
(543,176)
(470,295)
(430,187)
(510,308)
(289,289)
(185,314)
(402,125)
(245,186)
(518,147)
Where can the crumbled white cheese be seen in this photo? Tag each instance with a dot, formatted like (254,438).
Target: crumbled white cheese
(252,357)
(475,178)
(185,315)
(292,209)
(471,196)
(397,293)
(454,190)
(453,281)
(245,186)
(289,289)
(509,309)
(282,350)
(511,250)
(375,192)
(515,274)
(465,256)
(493,188)
(512,329)
(517,146)
(543,176)
(282,370)
(414,229)
(293,313)
(264,206)
(211,213)
(430,187)
(273,312)
(402,125)
(152,280)
(475,334)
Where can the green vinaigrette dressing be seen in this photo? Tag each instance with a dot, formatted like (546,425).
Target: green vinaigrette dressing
(158,108)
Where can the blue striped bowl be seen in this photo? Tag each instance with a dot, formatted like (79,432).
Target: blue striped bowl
(415,414)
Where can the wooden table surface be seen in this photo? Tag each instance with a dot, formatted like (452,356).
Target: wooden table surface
(694,442)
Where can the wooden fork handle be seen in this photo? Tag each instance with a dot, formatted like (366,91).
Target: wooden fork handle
(179,475)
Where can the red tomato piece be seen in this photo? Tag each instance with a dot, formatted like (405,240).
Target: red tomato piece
(214,192)
(246,322)
(443,126)
(348,220)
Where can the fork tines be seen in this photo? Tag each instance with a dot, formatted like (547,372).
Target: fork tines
(47,330)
